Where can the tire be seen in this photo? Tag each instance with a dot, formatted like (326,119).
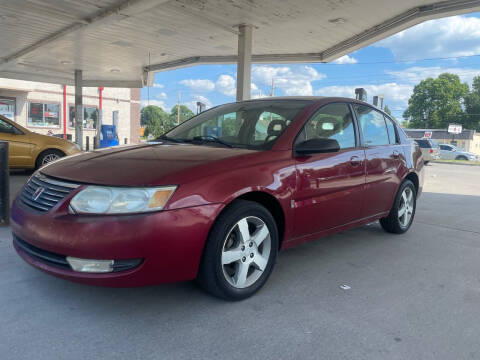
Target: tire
(461,158)
(233,268)
(48,156)
(399,224)
(426,162)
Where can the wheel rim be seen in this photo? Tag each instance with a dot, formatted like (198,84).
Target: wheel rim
(49,158)
(245,252)
(406,207)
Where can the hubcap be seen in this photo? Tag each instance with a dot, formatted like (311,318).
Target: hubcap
(245,252)
(49,158)
(406,207)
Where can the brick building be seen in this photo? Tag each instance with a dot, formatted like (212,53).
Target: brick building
(44,108)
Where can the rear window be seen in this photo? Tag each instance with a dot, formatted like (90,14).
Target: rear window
(424,144)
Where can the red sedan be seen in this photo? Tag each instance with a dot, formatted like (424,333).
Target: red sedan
(217,197)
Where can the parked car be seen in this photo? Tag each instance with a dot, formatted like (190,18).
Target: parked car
(28,150)
(450,152)
(218,196)
(429,148)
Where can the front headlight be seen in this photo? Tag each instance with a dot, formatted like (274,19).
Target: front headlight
(116,200)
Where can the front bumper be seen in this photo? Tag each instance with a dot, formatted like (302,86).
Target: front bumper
(170,243)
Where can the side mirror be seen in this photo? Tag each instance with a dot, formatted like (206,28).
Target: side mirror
(316,146)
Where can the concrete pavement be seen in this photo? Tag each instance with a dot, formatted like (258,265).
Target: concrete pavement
(413,296)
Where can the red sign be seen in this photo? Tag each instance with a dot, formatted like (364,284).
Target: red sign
(428,135)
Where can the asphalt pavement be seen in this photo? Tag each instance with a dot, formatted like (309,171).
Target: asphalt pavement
(411,296)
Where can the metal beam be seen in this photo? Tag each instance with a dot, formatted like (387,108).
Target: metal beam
(78,108)
(244,62)
(121,9)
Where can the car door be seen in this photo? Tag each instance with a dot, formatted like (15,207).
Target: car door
(384,159)
(329,190)
(19,148)
(447,152)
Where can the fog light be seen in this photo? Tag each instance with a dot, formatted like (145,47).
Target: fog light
(89,265)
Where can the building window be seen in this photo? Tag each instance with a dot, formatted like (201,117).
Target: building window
(43,115)
(7,108)
(90,116)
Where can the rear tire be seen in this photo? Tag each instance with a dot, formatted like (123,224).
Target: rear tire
(47,157)
(402,213)
(461,158)
(240,252)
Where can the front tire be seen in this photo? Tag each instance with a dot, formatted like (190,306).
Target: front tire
(464,158)
(47,157)
(240,252)
(402,213)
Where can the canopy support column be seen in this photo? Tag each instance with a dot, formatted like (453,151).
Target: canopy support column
(79,108)
(244,62)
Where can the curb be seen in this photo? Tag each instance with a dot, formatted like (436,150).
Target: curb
(452,163)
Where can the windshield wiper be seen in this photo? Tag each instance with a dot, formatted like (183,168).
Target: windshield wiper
(210,138)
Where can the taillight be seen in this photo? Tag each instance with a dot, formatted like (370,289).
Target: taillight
(431,151)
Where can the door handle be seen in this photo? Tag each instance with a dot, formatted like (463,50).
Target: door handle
(396,154)
(355,161)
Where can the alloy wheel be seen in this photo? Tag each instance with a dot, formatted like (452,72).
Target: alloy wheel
(49,158)
(406,207)
(245,252)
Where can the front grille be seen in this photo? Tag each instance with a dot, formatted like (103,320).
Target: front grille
(42,193)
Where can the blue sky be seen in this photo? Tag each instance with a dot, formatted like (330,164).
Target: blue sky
(390,67)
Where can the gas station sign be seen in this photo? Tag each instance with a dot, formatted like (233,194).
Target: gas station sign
(455,129)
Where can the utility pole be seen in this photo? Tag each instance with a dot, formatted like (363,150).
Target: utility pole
(273,87)
(178,109)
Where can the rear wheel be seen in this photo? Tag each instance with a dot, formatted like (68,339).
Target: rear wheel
(240,252)
(402,213)
(47,157)
(461,158)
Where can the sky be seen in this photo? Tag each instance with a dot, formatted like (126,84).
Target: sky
(390,67)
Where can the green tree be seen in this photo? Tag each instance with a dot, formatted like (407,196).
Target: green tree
(436,102)
(387,110)
(185,114)
(154,119)
(471,119)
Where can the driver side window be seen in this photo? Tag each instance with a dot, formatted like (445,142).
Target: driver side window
(333,121)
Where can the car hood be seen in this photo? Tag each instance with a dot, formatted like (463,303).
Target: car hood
(143,165)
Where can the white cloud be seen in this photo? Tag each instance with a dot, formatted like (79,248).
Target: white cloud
(291,81)
(199,85)
(415,74)
(395,95)
(162,95)
(226,84)
(448,37)
(193,103)
(157,85)
(345,59)
(158,103)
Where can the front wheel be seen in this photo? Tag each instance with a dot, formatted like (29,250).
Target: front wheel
(402,213)
(464,158)
(240,252)
(47,157)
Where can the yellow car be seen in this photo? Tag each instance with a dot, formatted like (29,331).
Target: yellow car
(28,150)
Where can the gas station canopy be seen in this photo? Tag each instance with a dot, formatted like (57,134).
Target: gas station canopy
(122,43)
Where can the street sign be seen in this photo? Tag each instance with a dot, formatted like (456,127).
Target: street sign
(455,129)
(427,135)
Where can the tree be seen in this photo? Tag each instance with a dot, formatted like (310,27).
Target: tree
(387,110)
(185,114)
(436,102)
(155,120)
(471,119)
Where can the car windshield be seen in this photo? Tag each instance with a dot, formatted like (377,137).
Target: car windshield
(251,124)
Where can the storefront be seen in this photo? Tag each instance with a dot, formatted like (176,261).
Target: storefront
(7,107)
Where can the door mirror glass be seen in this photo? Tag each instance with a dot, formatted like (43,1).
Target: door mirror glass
(316,146)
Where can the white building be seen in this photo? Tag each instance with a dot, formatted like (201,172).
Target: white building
(49,108)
